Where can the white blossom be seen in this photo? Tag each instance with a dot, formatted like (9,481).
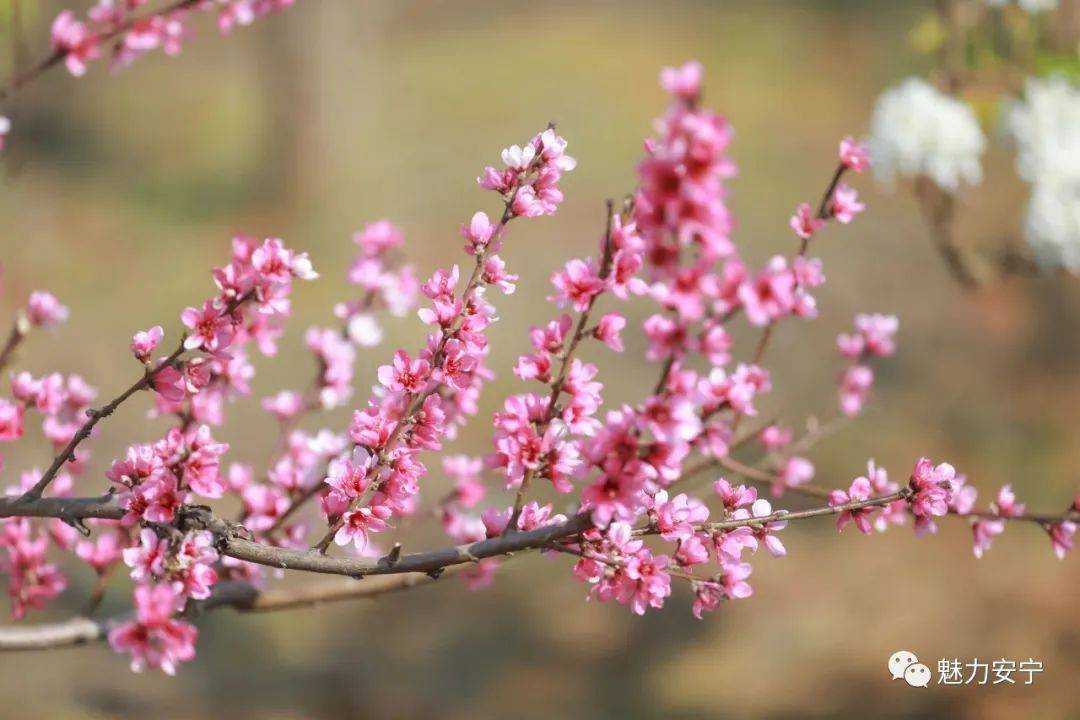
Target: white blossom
(1046,126)
(1028,6)
(917,130)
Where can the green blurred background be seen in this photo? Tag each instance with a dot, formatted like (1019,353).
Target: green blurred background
(121,190)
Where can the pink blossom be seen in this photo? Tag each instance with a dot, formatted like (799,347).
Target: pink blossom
(773,437)
(102,553)
(795,471)
(613,497)
(707,597)
(285,405)
(853,156)
(495,274)
(273,262)
(212,328)
(577,284)
(71,38)
(691,551)
(263,505)
(649,584)
(480,575)
(147,559)
(201,464)
(378,237)
(11,420)
(1061,537)
(154,639)
(804,223)
(760,532)
(44,309)
(32,580)
(358,523)
(855,386)
(364,330)
(716,344)
(609,329)
(858,492)
(733,580)
(162,496)
(683,82)
(736,496)
(676,518)
(878,333)
(845,204)
(534,515)
(932,490)
(405,375)
(194,575)
(144,342)
(170,384)
(348,476)
(478,233)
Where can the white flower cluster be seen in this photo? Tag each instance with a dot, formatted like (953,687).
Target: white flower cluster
(1029,6)
(917,130)
(1046,127)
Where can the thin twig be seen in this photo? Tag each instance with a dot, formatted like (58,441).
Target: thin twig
(565,363)
(20,80)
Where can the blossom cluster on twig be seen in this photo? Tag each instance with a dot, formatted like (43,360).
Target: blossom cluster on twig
(623,470)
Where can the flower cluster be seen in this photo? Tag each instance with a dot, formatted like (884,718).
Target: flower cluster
(628,512)
(117,27)
(156,480)
(383,283)
(420,400)
(32,579)
(874,337)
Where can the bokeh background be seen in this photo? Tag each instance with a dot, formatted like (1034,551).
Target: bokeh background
(121,191)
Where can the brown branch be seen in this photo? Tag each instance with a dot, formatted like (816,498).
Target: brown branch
(939,208)
(19,330)
(240,596)
(785,515)
(432,562)
(69,510)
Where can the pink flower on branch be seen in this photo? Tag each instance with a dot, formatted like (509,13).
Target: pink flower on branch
(860,491)
(43,309)
(853,156)
(144,342)
(154,639)
(804,223)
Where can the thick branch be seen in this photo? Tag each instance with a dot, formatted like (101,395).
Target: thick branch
(432,562)
(67,509)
